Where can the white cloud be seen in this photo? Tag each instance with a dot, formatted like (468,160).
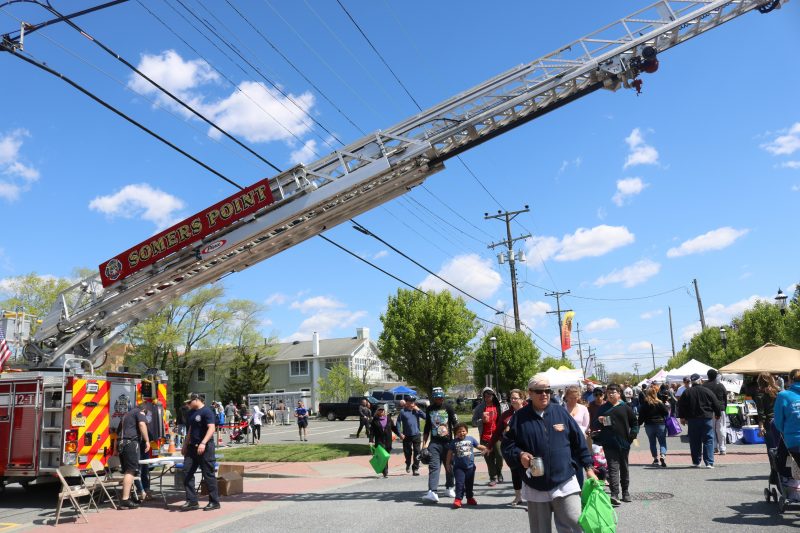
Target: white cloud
(713,240)
(690,331)
(791,164)
(178,76)
(260,114)
(640,153)
(276,298)
(470,272)
(140,200)
(601,213)
(785,144)
(602,324)
(627,188)
(253,111)
(720,314)
(17,175)
(566,164)
(324,323)
(651,314)
(593,242)
(585,242)
(327,315)
(631,275)
(305,154)
(640,346)
(316,303)
(531,312)
(795,188)
(380,255)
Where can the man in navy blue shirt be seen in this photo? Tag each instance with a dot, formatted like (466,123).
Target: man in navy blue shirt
(198,452)
(408,424)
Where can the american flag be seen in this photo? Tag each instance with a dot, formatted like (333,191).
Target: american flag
(5,351)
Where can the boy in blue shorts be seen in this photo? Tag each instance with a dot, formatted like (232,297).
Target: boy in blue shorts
(461,461)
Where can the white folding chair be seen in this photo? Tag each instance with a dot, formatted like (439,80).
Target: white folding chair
(72,492)
(114,475)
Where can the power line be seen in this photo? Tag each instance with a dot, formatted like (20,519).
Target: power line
(296,69)
(158,86)
(31,60)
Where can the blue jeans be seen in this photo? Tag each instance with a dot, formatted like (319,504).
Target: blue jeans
(438,454)
(659,432)
(701,440)
(465,480)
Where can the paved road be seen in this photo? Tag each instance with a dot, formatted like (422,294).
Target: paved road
(679,499)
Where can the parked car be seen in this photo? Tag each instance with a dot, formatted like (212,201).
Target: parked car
(341,410)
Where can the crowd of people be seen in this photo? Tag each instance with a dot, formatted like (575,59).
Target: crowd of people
(551,441)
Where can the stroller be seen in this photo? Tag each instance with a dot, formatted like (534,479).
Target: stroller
(239,433)
(783,486)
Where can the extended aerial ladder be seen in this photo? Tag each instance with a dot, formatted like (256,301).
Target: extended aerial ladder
(309,199)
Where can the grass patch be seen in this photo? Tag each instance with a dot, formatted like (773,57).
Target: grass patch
(293,453)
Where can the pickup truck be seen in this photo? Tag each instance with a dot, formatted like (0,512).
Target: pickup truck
(341,410)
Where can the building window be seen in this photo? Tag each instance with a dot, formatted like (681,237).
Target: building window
(280,391)
(305,390)
(331,362)
(201,374)
(298,368)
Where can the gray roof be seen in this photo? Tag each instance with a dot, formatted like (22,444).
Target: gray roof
(290,351)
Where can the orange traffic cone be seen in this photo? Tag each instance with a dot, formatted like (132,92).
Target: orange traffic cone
(171,448)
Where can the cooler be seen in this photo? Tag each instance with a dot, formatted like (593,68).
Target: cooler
(751,436)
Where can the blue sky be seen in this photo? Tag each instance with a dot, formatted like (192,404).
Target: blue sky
(630,196)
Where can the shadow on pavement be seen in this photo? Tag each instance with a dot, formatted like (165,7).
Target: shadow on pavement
(761,513)
(744,478)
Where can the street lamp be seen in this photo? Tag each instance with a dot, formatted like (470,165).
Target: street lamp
(723,335)
(780,299)
(493,346)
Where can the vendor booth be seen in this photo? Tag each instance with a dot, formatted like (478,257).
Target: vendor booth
(769,358)
(692,367)
(563,377)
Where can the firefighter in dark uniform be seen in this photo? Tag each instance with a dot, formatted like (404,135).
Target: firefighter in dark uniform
(198,452)
(133,433)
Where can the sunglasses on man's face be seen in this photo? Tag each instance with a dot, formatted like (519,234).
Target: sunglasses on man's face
(541,391)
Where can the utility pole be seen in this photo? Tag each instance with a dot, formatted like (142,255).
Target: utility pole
(653,353)
(671,335)
(580,351)
(558,296)
(636,369)
(699,305)
(508,216)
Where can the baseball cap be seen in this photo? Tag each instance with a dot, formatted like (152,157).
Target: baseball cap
(597,391)
(193,396)
(438,394)
(695,377)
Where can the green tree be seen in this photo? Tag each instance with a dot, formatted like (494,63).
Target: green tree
(425,337)
(757,326)
(554,362)
(340,384)
(517,359)
(248,372)
(33,293)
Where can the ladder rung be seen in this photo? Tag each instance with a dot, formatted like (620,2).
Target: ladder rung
(50,450)
(51,429)
(53,409)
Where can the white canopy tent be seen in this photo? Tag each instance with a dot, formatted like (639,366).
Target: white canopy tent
(563,377)
(692,367)
(660,377)
(731,382)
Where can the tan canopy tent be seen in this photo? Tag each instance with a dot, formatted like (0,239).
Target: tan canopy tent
(769,358)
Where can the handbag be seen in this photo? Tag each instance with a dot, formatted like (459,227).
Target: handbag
(673,426)
(380,459)
(597,516)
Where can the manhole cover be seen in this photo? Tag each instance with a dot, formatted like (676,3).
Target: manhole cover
(650,496)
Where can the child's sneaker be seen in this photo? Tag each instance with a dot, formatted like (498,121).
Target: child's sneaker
(457,504)
(472,501)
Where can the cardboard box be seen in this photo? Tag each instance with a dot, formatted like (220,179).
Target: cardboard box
(225,467)
(228,484)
